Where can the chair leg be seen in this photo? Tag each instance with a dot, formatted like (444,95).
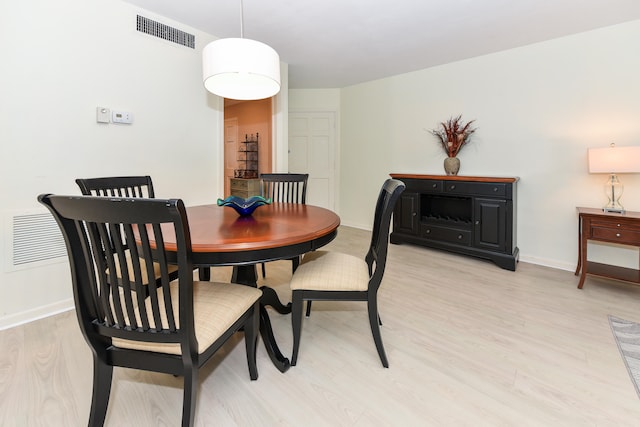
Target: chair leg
(296,323)
(264,271)
(204,274)
(251,339)
(308,313)
(102,376)
(190,396)
(374,321)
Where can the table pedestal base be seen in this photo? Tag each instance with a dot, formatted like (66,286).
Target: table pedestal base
(247,275)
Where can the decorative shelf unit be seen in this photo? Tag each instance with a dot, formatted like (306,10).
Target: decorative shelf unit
(245,182)
(247,158)
(463,214)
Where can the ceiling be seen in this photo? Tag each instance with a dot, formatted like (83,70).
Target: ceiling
(337,43)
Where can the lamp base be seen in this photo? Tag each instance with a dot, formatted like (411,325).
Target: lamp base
(613,210)
(613,189)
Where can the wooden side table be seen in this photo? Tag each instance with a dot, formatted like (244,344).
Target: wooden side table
(623,229)
(245,188)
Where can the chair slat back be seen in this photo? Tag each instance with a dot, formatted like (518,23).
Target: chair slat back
(117,186)
(377,255)
(96,232)
(284,187)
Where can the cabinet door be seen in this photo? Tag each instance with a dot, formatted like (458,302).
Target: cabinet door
(490,222)
(406,214)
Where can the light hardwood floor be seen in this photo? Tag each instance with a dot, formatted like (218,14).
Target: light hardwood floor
(469,344)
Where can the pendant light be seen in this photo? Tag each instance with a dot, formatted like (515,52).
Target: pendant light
(239,68)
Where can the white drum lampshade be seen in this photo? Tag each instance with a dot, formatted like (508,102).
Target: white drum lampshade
(239,68)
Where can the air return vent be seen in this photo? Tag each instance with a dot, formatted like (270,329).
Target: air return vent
(156,29)
(36,237)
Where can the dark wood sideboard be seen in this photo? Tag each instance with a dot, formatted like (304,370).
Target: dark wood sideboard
(468,215)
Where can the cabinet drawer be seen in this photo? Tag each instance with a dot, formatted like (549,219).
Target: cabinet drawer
(479,188)
(445,234)
(247,185)
(429,186)
(238,187)
(239,184)
(616,235)
(244,188)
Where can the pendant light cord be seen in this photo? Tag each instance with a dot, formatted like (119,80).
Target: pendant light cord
(241,20)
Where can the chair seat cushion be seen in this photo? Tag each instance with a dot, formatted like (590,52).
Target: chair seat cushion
(331,271)
(216,306)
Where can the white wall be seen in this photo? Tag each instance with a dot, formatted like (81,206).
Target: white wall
(314,100)
(538,108)
(62,59)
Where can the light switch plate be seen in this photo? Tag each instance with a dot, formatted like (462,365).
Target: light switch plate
(103,115)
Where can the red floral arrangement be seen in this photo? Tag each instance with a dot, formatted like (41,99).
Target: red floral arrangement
(454,134)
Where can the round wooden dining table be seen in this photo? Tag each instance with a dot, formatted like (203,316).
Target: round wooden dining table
(220,237)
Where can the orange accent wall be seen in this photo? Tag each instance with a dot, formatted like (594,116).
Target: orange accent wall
(254,117)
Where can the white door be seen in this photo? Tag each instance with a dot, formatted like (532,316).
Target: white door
(230,151)
(312,150)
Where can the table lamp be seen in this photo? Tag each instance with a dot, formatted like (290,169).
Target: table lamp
(614,160)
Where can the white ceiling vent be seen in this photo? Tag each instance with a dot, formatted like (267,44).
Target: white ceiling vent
(156,29)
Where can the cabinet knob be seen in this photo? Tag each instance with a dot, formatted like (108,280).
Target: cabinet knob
(495,189)
(428,231)
(452,187)
(618,225)
(477,222)
(459,236)
(414,214)
(434,185)
(617,234)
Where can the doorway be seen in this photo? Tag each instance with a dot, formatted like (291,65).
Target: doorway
(312,150)
(247,119)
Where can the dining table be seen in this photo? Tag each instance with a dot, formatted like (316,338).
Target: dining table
(222,237)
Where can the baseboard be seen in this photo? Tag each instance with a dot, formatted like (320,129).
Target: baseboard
(23,317)
(545,262)
(358,226)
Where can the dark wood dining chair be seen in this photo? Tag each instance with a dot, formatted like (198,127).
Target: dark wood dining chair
(123,186)
(335,276)
(179,326)
(117,186)
(284,188)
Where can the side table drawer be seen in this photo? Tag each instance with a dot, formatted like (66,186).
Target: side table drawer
(616,235)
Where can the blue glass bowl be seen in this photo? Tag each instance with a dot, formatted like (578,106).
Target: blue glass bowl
(244,207)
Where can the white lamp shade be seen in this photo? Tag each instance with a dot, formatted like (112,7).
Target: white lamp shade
(614,160)
(239,68)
